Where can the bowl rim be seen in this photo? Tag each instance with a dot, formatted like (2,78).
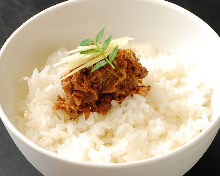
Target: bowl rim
(10,127)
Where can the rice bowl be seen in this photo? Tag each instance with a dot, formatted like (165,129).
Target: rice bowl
(185,35)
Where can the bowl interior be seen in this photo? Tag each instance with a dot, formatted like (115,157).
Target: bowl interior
(167,28)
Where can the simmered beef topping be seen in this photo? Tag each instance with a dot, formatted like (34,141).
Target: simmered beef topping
(87,91)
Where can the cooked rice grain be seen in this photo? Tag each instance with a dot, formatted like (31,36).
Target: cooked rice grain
(176,110)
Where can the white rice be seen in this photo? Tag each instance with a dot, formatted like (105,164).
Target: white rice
(176,110)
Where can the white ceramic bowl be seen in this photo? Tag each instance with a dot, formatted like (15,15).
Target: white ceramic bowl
(163,24)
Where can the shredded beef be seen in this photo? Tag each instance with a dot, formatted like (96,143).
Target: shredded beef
(87,91)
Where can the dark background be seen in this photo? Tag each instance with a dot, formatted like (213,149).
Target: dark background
(14,12)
